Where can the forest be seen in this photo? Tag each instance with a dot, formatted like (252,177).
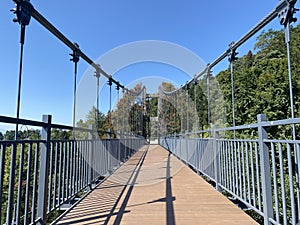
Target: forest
(261,79)
(261,86)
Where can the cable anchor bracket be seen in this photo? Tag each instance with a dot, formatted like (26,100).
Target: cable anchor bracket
(76,54)
(23,11)
(97,72)
(232,52)
(109,82)
(118,86)
(286,11)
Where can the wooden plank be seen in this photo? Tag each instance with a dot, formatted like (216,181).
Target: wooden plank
(159,190)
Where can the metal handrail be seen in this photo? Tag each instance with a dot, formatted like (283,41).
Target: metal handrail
(261,173)
(54,171)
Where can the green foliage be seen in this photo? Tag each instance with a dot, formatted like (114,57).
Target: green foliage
(200,98)
(138,119)
(169,110)
(153,103)
(22,155)
(58,134)
(129,115)
(23,135)
(94,119)
(187,109)
(107,130)
(261,81)
(9,135)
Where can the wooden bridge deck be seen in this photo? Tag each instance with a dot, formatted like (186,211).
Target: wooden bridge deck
(154,187)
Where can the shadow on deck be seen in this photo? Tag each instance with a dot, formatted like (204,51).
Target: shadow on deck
(154,187)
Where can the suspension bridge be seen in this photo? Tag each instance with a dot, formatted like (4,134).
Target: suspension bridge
(115,176)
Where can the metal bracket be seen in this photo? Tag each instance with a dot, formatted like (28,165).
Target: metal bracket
(76,54)
(195,81)
(118,87)
(232,52)
(109,82)
(286,11)
(23,12)
(187,86)
(97,72)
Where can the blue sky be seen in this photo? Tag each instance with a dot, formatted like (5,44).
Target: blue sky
(204,27)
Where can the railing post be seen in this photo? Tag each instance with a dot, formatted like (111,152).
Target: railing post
(216,155)
(186,147)
(265,169)
(44,170)
(91,156)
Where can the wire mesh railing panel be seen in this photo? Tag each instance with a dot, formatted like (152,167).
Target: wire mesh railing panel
(19,181)
(284,157)
(73,166)
(240,170)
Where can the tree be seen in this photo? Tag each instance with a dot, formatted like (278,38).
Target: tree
(153,107)
(107,130)
(261,81)
(94,118)
(200,99)
(129,115)
(1,136)
(168,112)
(9,135)
(58,134)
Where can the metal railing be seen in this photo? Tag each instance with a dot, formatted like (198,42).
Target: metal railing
(40,176)
(261,173)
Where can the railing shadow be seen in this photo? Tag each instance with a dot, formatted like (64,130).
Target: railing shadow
(128,194)
(169,196)
(122,209)
(168,199)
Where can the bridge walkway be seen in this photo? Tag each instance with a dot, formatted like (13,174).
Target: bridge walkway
(154,187)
